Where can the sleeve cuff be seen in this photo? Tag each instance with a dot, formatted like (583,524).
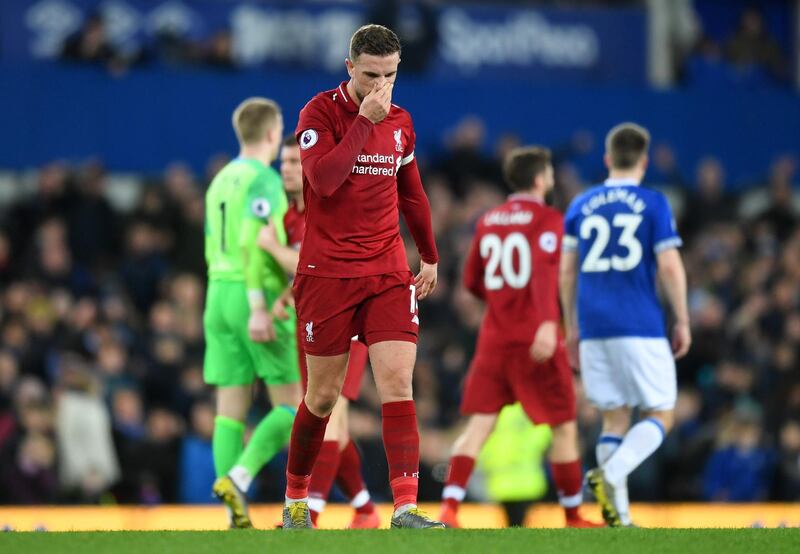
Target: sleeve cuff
(569,243)
(666,244)
(407,160)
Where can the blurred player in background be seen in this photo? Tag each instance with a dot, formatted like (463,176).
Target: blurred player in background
(339,459)
(619,239)
(513,267)
(242,341)
(357,151)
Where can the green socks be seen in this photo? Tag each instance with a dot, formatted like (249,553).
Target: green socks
(227,443)
(268,438)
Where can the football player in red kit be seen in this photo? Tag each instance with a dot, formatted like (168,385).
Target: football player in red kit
(357,151)
(520,357)
(339,459)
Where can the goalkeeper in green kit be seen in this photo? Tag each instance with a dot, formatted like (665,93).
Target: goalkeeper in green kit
(243,342)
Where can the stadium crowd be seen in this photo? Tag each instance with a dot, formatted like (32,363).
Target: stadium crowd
(101,390)
(744,55)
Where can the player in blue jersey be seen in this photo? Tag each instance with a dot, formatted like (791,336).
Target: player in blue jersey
(619,241)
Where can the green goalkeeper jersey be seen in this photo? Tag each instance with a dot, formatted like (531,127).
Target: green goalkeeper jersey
(242,198)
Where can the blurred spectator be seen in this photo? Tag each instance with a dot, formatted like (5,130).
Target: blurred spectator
(129,433)
(787,485)
(751,49)
(464,162)
(781,215)
(88,462)
(188,253)
(219,51)
(54,261)
(512,463)
(6,259)
(197,472)
(93,226)
(739,470)
(52,199)
(159,456)
(664,170)
(138,332)
(415,22)
(705,66)
(30,476)
(709,203)
(144,266)
(91,45)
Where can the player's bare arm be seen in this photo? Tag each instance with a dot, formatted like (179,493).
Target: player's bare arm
(285,255)
(545,342)
(567,281)
(672,276)
(416,210)
(377,103)
(282,304)
(259,325)
(426,279)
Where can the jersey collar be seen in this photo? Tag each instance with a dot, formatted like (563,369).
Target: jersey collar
(259,163)
(343,97)
(621,183)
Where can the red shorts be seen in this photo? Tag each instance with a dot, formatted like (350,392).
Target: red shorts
(497,378)
(377,308)
(356,365)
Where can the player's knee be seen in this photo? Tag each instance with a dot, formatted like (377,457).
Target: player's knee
(616,422)
(233,412)
(666,418)
(322,400)
(395,386)
(480,426)
(565,433)
(231,405)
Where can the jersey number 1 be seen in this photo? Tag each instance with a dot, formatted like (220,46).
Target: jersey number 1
(222,237)
(501,256)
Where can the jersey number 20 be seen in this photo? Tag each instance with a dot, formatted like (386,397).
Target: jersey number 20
(501,256)
(594,261)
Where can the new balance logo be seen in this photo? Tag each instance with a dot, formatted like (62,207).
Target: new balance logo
(415,320)
(310,331)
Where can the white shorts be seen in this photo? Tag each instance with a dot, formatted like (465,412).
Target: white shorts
(629,371)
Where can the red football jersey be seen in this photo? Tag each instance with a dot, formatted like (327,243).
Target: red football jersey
(513,266)
(355,175)
(295,224)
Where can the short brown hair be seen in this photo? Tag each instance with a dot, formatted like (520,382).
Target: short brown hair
(290,140)
(626,144)
(375,40)
(253,117)
(523,164)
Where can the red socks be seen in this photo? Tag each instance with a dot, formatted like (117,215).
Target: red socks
(350,480)
(308,431)
(568,479)
(457,478)
(322,477)
(401,441)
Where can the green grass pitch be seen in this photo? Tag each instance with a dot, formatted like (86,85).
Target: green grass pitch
(505,541)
